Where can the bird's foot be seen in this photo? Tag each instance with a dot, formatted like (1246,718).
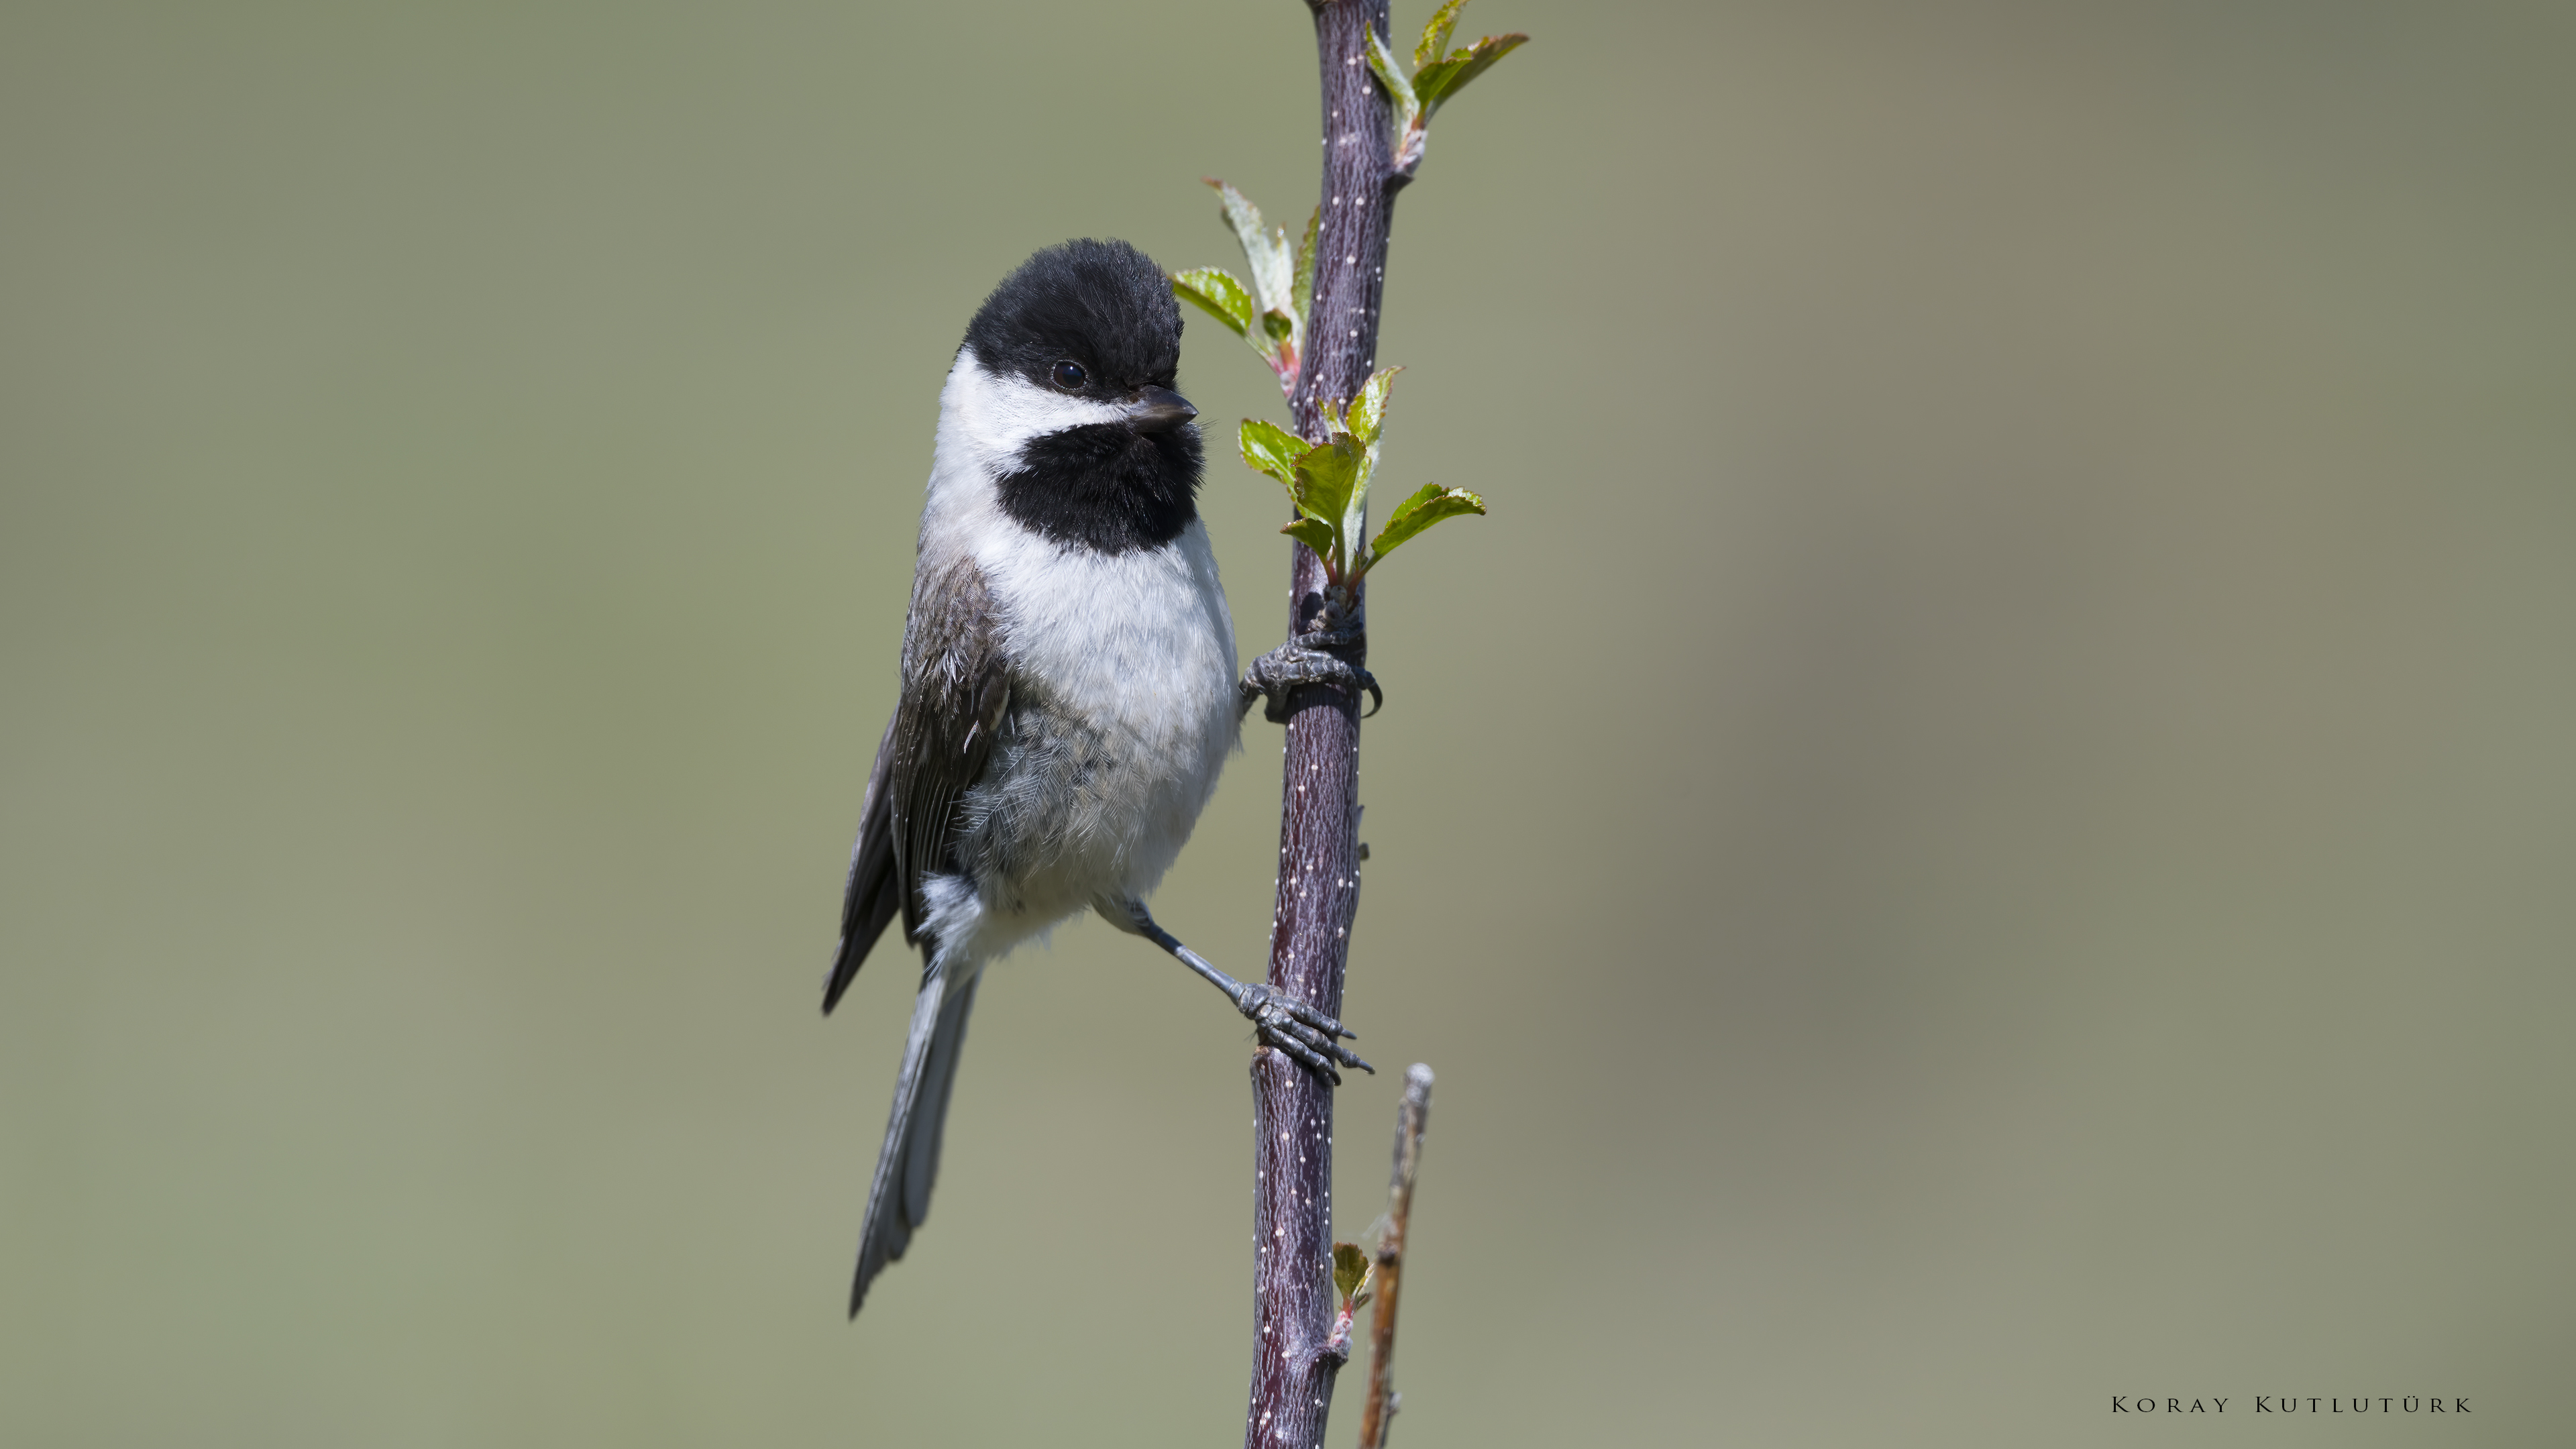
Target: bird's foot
(1305,1034)
(1290,1025)
(1305,660)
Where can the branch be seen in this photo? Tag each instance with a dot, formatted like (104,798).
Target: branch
(1379,1412)
(1333,287)
(1295,1360)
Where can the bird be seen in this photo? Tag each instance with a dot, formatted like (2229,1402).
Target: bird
(1069,693)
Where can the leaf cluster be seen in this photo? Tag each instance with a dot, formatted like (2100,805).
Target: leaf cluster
(1270,312)
(1329,483)
(1436,77)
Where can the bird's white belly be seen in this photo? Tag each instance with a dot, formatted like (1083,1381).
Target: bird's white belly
(1122,715)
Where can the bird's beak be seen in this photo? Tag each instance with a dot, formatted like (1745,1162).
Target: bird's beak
(1159,410)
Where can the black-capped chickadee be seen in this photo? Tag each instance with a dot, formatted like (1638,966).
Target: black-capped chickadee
(1069,687)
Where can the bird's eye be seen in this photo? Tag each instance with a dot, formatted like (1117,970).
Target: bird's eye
(1070,376)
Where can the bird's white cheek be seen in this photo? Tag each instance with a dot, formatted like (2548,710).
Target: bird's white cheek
(995,414)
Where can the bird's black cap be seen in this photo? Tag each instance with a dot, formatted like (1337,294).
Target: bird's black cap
(1102,305)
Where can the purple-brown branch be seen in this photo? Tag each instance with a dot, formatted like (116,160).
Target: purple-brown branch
(1294,1359)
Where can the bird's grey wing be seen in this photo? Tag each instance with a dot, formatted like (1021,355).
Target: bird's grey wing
(956,689)
(875,891)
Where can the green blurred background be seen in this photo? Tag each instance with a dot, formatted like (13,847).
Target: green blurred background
(1988,823)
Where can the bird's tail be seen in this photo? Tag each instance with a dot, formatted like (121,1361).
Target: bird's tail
(899,1198)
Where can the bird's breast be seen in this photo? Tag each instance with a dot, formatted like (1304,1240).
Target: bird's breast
(1123,697)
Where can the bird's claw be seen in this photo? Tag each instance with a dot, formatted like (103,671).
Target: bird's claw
(1303,1033)
(1303,660)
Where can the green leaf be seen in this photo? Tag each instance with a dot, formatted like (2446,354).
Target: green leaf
(1382,61)
(1435,36)
(1367,415)
(1302,295)
(1272,449)
(1351,1269)
(1217,291)
(1425,508)
(1433,79)
(1332,490)
(1326,479)
(1279,325)
(1316,536)
(1355,425)
(1442,79)
(1265,249)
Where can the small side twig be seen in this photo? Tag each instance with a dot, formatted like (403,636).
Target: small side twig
(1409,1118)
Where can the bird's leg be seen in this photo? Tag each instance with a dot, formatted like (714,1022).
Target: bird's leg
(1305,1034)
(1305,659)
